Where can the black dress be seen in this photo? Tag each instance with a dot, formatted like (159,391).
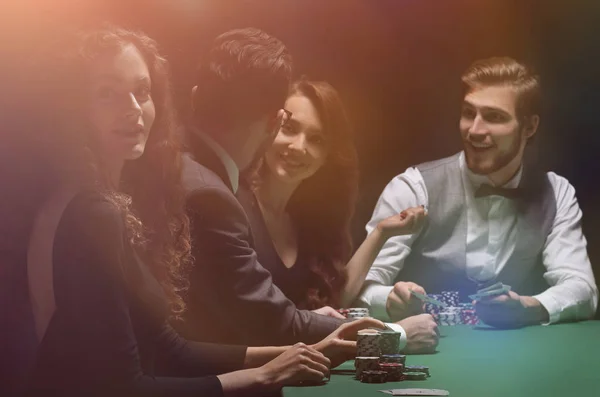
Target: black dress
(292,281)
(109,335)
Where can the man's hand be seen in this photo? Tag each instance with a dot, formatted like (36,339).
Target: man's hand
(422,334)
(511,311)
(329,311)
(408,221)
(401,303)
(340,345)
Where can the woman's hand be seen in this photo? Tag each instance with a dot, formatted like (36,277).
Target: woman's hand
(408,221)
(340,345)
(329,311)
(298,363)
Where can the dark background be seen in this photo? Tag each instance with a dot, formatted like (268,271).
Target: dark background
(397,64)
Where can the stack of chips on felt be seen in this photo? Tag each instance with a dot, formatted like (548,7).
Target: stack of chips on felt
(354,312)
(455,313)
(379,360)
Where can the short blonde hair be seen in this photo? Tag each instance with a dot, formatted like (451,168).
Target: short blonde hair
(505,71)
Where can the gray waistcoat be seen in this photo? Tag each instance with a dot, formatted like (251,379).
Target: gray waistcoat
(438,256)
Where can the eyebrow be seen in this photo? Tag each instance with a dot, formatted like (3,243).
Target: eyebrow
(488,108)
(108,76)
(297,123)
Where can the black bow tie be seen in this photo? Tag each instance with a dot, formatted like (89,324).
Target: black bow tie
(489,190)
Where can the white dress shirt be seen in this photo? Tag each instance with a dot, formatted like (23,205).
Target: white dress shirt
(491,239)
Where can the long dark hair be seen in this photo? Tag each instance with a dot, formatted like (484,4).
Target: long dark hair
(150,194)
(323,205)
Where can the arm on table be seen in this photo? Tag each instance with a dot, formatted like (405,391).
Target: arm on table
(227,271)
(573,294)
(407,222)
(404,191)
(92,289)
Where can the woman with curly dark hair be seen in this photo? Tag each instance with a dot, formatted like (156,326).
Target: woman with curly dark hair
(109,245)
(300,199)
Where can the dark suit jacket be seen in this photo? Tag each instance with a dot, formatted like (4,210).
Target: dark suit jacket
(232,298)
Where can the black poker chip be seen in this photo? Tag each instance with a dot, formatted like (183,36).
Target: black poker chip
(373,377)
(414,376)
(417,368)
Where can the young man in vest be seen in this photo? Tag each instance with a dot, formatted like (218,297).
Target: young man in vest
(491,217)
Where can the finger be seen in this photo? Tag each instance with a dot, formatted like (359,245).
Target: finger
(346,345)
(318,357)
(396,303)
(417,288)
(494,300)
(350,330)
(419,217)
(335,314)
(402,290)
(318,366)
(312,375)
(409,221)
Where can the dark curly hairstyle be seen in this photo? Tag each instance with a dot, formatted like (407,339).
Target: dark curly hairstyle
(323,205)
(150,194)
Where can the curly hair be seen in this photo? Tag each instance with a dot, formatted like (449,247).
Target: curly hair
(150,194)
(323,205)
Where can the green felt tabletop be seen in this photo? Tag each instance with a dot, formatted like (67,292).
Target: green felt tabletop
(557,360)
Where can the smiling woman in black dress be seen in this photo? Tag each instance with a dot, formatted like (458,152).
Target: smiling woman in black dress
(300,199)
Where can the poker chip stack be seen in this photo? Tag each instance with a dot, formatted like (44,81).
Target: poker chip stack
(343,312)
(379,359)
(393,358)
(418,368)
(468,316)
(365,364)
(455,313)
(433,309)
(450,298)
(394,371)
(414,376)
(357,312)
(449,316)
(367,343)
(389,342)
(388,368)
(373,377)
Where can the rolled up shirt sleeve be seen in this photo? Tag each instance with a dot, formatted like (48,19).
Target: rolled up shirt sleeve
(573,294)
(404,191)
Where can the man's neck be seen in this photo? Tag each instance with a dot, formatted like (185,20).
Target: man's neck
(230,146)
(506,173)
(225,154)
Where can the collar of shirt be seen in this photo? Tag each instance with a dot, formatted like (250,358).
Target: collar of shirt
(233,172)
(478,180)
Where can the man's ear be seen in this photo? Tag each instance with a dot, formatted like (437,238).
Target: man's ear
(531,126)
(193,96)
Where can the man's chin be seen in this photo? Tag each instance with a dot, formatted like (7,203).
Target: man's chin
(481,167)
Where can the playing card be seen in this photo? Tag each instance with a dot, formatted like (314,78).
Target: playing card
(416,392)
(491,287)
(496,292)
(427,299)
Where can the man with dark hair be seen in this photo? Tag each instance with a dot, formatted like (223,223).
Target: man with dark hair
(491,217)
(241,88)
